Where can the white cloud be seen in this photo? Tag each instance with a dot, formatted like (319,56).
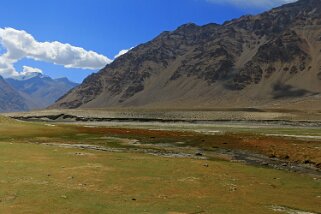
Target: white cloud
(122,52)
(30,70)
(263,4)
(19,44)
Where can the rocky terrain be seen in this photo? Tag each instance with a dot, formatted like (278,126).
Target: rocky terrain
(271,59)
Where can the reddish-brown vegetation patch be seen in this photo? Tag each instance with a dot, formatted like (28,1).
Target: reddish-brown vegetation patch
(299,151)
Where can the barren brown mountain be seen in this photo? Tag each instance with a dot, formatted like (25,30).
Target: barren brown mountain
(269,59)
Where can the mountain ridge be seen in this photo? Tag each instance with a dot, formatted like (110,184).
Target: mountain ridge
(40,91)
(256,60)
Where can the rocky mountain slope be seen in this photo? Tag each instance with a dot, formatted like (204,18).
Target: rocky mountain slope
(10,100)
(41,91)
(263,60)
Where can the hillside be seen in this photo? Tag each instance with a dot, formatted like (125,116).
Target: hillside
(10,100)
(271,59)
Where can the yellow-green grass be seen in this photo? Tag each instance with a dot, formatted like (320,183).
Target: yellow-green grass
(10,128)
(36,178)
(44,179)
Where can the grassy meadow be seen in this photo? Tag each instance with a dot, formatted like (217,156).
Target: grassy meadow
(37,177)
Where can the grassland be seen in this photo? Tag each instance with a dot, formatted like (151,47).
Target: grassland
(39,176)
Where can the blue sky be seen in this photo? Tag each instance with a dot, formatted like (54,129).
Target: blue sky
(108,26)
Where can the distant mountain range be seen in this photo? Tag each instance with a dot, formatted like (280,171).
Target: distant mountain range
(35,92)
(266,59)
(10,99)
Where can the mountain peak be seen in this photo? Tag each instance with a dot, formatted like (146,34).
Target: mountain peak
(190,25)
(62,79)
(30,76)
(65,80)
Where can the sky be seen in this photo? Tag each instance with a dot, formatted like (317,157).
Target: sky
(74,38)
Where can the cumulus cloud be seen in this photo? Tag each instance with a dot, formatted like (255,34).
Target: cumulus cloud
(30,70)
(19,44)
(122,52)
(263,4)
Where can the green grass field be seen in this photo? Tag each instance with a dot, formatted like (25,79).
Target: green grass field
(37,178)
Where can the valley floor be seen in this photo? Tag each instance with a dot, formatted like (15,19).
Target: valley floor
(153,167)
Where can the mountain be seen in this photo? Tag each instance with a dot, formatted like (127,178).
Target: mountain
(10,100)
(268,59)
(40,91)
